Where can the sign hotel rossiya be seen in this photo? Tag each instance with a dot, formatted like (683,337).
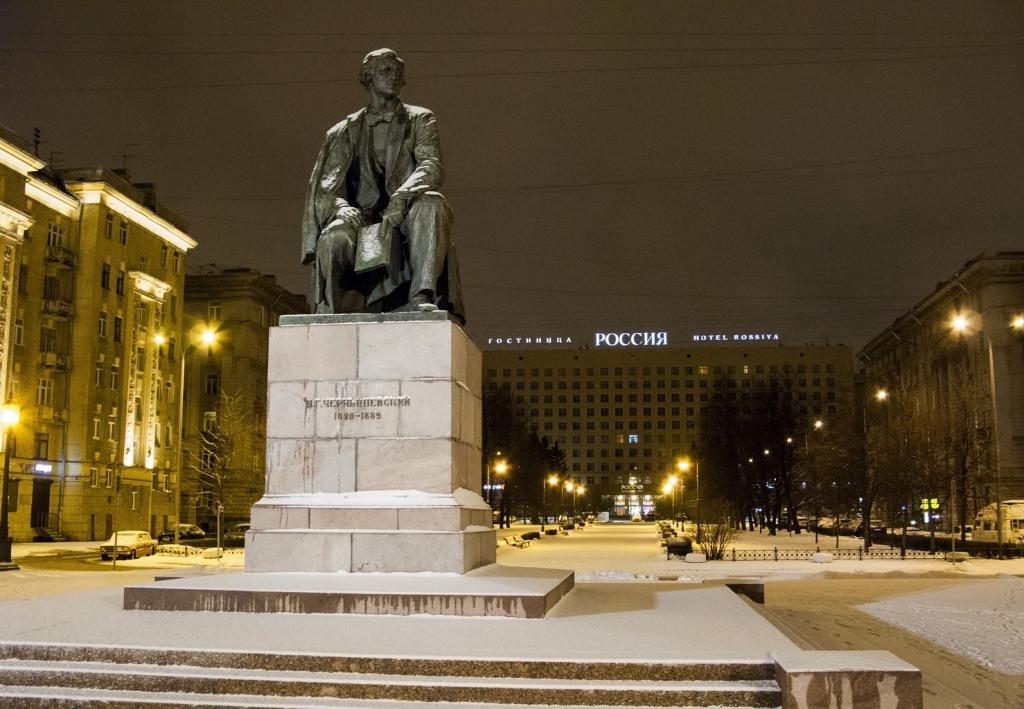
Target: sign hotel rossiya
(657,338)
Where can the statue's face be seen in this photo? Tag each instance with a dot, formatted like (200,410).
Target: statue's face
(387,78)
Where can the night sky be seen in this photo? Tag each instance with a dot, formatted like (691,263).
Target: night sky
(811,169)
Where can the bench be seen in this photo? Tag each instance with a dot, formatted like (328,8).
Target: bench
(517,542)
(679,547)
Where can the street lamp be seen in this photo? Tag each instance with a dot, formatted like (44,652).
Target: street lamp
(577,490)
(549,481)
(818,425)
(500,468)
(9,416)
(670,487)
(961,324)
(207,337)
(684,465)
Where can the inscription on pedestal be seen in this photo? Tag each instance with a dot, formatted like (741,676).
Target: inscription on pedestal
(361,408)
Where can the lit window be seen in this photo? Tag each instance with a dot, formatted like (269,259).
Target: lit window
(44,393)
(54,235)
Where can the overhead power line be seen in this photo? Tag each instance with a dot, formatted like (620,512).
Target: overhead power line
(533,72)
(679,178)
(513,33)
(492,50)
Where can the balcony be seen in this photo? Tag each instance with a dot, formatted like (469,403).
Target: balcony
(51,414)
(55,360)
(57,308)
(61,256)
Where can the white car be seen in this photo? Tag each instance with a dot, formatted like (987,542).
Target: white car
(129,544)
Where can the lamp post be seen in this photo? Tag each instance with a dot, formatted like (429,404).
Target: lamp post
(207,338)
(961,324)
(550,480)
(684,465)
(500,467)
(818,425)
(670,488)
(576,490)
(9,416)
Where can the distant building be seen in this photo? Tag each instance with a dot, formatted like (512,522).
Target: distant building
(91,283)
(228,379)
(624,415)
(959,355)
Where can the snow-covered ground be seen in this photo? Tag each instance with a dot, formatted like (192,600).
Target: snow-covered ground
(632,550)
(983,621)
(982,618)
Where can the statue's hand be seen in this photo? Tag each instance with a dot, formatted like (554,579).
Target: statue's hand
(394,213)
(351,215)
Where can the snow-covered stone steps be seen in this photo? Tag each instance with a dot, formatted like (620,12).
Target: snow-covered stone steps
(50,697)
(61,675)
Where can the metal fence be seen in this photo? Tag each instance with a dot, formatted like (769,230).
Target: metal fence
(859,554)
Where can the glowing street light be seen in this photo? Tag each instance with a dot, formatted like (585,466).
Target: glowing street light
(881,395)
(207,338)
(961,324)
(683,465)
(576,490)
(670,487)
(549,481)
(10,414)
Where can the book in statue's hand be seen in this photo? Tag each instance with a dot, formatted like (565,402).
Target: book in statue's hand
(373,249)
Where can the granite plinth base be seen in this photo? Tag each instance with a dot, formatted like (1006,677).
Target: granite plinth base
(493,590)
(377,531)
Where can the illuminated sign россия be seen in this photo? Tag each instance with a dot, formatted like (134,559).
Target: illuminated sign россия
(630,339)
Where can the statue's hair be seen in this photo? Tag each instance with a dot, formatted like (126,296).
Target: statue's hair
(371,59)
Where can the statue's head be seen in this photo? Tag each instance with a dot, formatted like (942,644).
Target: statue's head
(384,66)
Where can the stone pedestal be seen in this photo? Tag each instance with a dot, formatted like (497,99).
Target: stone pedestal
(373,448)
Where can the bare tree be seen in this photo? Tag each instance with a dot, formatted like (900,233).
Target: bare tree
(227,462)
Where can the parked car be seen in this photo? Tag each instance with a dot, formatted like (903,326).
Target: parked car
(877,527)
(129,544)
(235,537)
(185,531)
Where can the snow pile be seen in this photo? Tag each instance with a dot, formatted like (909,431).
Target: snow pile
(983,621)
(588,576)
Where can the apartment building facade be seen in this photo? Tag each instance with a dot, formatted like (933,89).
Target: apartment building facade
(226,389)
(91,306)
(955,362)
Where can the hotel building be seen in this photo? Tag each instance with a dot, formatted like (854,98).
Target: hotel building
(623,412)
